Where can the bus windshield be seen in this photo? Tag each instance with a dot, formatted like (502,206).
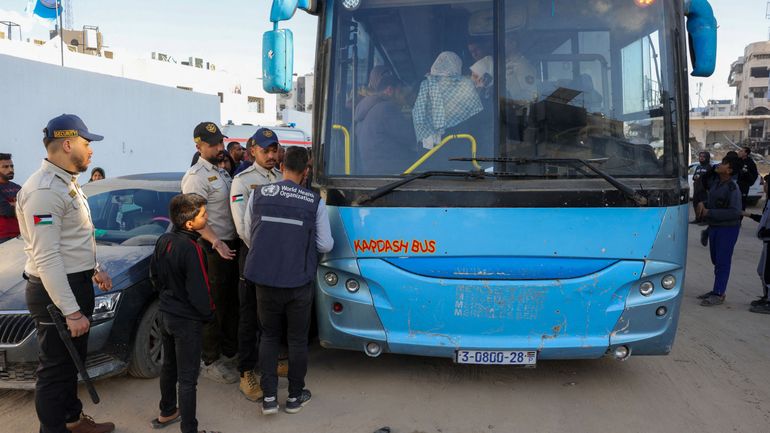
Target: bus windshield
(416,84)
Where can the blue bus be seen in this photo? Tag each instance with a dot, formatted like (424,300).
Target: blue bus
(506,179)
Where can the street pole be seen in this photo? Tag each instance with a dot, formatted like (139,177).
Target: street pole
(61,32)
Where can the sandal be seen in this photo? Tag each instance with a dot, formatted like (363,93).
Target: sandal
(156,423)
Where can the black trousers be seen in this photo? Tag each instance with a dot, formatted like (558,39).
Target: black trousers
(56,389)
(220,336)
(248,322)
(182,343)
(295,306)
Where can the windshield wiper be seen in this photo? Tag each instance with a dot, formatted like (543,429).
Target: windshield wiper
(381,191)
(620,186)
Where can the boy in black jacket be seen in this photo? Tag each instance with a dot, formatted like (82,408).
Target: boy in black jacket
(178,271)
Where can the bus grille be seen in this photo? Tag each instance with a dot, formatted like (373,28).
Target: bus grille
(14,328)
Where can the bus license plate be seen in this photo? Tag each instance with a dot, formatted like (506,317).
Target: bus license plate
(497,357)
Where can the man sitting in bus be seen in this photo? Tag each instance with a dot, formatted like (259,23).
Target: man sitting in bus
(384,137)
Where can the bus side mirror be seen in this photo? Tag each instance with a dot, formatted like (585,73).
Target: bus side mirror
(277,61)
(702,35)
(283,10)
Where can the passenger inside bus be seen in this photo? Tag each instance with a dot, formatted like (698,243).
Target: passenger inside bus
(384,137)
(446,99)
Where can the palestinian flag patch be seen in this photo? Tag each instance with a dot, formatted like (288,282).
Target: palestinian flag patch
(237,198)
(43,220)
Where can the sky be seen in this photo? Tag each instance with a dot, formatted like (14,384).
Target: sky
(228,33)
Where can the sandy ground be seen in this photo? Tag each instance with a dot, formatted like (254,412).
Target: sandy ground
(715,380)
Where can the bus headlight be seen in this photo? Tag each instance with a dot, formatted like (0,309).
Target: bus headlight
(646,288)
(330,278)
(105,306)
(352,285)
(621,353)
(668,282)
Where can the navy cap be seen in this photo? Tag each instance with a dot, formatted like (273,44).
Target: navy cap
(208,132)
(69,125)
(265,137)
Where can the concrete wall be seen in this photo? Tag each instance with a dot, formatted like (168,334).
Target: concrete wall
(147,127)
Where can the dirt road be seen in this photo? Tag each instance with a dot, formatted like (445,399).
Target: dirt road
(717,379)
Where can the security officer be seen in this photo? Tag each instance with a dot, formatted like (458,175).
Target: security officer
(263,146)
(218,240)
(295,220)
(61,268)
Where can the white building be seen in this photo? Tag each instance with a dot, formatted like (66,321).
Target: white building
(300,98)
(242,99)
(750,75)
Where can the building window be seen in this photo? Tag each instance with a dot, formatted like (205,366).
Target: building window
(762,56)
(256,105)
(760,72)
(758,92)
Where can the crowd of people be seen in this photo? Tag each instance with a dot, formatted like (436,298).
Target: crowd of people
(720,193)
(213,323)
(235,274)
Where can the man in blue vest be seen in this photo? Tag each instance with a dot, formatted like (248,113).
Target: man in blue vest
(294,221)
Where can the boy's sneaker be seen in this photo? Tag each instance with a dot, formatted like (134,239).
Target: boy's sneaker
(759,302)
(705,295)
(295,404)
(218,372)
(269,405)
(761,309)
(250,385)
(712,300)
(704,238)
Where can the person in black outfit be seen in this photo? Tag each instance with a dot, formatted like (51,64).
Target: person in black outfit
(700,189)
(178,271)
(762,305)
(294,220)
(747,174)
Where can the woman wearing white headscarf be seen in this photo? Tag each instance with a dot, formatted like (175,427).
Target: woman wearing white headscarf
(482,74)
(446,99)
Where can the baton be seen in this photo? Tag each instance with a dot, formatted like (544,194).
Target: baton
(64,333)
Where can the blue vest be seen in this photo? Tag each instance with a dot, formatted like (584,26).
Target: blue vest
(283,247)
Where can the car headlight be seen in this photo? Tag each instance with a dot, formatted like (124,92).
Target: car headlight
(105,306)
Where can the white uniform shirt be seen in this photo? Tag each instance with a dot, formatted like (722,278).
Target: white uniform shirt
(244,184)
(213,184)
(55,223)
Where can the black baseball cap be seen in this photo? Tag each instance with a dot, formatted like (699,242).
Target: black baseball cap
(264,137)
(208,132)
(69,125)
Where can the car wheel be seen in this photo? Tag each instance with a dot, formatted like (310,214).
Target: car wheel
(147,353)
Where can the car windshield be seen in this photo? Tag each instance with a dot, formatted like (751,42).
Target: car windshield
(130,216)
(416,83)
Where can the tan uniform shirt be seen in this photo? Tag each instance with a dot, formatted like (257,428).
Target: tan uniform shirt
(55,223)
(213,184)
(244,184)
